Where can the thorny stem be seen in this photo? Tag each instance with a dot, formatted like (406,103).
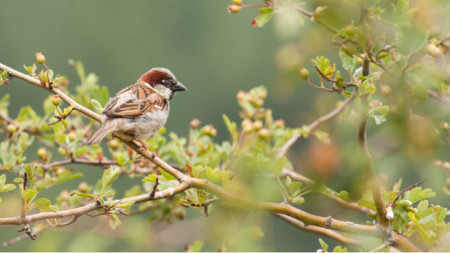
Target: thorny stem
(187,182)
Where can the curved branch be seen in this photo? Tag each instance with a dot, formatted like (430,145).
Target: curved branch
(320,230)
(332,194)
(78,211)
(316,123)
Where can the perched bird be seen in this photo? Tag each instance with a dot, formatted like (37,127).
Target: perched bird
(139,110)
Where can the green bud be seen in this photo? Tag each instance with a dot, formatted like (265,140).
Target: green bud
(304,73)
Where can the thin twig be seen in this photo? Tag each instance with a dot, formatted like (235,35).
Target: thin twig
(155,187)
(314,124)
(329,192)
(367,159)
(405,190)
(320,230)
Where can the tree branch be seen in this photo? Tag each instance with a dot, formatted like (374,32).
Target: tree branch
(374,184)
(316,123)
(332,195)
(320,230)
(78,211)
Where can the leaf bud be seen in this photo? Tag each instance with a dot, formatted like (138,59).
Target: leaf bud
(304,73)
(40,58)
(264,133)
(234,8)
(42,152)
(83,187)
(258,124)
(237,2)
(72,136)
(433,50)
(56,100)
(385,90)
(279,123)
(445,126)
(114,144)
(11,128)
(195,123)
(64,196)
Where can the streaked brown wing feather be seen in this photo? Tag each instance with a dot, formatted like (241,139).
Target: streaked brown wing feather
(146,101)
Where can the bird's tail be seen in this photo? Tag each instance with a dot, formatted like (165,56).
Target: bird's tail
(101,133)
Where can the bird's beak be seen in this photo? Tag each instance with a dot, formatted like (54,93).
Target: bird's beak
(179,87)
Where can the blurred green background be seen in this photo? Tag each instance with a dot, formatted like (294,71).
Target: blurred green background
(215,54)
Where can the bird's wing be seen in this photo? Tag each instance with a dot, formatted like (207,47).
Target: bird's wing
(134,101)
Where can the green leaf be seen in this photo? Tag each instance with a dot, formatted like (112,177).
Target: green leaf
(348,62)
(231,126)
(85,195)
(166,175)
(5,187)
(150,178)
(367,87)
(114,221)
(298,200)
(28,195)
(339,249)
(278,165)
(379,119)
(343,195)
(294,187)
(323,244)
(97,106)
(195,246)
(323,136)
(417,194)
(213,175)
(367,201)
(126,204)
(109,176)
(164,185)
(264,15)
(67,175)
(383,110)
(44,184)
(43,204)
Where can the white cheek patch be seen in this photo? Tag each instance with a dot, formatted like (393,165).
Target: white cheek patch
(163,90)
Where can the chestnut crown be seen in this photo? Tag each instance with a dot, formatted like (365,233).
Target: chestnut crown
(164,77)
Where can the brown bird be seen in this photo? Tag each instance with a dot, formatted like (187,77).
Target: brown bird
(139,110)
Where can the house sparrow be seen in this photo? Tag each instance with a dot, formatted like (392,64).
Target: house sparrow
(139,110)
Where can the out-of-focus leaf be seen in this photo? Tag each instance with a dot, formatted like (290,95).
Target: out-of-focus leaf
(323,244)
(417,194)
(109,176)
(195,246)
(114,221)
(264,15)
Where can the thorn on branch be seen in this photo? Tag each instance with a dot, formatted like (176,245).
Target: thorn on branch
(62,117)
(28,231)
(405,190)
(152,194)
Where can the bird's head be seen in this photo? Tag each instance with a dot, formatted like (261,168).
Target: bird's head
(163,81)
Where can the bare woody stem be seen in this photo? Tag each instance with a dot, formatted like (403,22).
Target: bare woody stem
(320,230)
(284,149)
